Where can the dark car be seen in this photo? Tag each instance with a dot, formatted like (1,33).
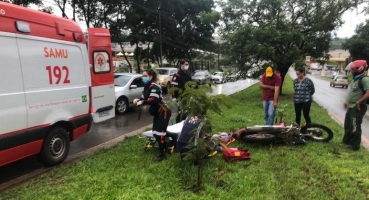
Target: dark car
(201,77)
(231,77)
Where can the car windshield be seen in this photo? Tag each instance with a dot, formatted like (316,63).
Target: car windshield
(218,73)
(199,74)
(121,80)
(162,71)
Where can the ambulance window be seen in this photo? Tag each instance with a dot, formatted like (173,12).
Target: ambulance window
(101,62)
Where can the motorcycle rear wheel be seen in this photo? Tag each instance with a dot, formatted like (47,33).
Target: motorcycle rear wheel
(259,138)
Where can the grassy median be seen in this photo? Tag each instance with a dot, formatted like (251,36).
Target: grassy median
(126,171)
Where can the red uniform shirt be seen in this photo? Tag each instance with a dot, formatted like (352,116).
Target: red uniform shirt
(275,80)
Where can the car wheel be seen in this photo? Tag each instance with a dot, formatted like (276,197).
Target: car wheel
(55,147)
(121,106)
(167,88)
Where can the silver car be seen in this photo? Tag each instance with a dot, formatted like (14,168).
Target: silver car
(218,77)
(201,77)
(128,86)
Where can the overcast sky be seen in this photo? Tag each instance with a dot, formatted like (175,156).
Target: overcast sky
(351,18)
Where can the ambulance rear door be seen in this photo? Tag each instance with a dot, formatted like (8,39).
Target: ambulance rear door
(102,93)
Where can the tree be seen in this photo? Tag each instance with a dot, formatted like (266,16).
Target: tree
(280,31)
(174,28)
(358,45)
(196,102)
(26,3)
(47,9)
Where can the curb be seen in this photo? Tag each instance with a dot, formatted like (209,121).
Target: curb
(26,178)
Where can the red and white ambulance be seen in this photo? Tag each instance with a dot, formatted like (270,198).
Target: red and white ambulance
(53,83)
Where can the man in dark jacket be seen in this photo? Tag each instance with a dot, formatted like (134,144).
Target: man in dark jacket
(180,79)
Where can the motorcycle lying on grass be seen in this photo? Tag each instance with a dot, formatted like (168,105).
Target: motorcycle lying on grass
(281,133)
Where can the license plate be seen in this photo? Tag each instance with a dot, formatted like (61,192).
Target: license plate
(104,113)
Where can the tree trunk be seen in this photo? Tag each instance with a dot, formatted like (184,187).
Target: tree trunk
(124,54)
(283,72)
(137,59)
(148,56)
(199,178)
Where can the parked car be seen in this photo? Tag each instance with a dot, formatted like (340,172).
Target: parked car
(165,76)
(218,77)
(128,86)
(241,74)
(340,80)
(201,77)
(231,77)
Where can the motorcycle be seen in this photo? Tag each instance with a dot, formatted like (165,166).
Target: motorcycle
(292,134)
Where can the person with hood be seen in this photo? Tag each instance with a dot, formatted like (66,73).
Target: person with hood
(356,104)
(152,95)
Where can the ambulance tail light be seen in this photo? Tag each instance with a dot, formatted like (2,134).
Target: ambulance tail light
(23,27)
(77,37)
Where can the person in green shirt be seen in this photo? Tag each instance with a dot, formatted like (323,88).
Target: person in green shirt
(355,105)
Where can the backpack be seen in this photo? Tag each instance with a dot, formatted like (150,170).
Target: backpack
(362,87)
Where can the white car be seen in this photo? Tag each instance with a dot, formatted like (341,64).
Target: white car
(128,86)
(218,77)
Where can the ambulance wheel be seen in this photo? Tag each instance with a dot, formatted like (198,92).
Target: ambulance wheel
(55,147)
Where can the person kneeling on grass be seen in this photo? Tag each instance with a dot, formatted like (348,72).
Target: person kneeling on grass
(193,130)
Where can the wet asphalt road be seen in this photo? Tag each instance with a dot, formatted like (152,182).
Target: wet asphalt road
(105,131)
(332,99)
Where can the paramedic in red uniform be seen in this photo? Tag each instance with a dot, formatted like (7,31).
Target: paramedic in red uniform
(152,95)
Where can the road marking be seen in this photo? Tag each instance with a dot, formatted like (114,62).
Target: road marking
(364,139)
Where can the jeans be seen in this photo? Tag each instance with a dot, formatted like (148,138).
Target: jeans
(269,112)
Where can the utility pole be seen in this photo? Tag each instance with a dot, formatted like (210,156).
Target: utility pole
(218,55)
(161,49)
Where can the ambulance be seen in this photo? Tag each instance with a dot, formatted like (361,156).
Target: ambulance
(53,83)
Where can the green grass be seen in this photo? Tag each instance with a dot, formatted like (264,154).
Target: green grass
(314,171)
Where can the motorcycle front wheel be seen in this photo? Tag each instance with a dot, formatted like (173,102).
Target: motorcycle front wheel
(317,132)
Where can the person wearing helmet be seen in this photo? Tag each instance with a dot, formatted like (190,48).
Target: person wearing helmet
(270,83)
(355,105)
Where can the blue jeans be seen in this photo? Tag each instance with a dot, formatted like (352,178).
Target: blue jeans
(269,112)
